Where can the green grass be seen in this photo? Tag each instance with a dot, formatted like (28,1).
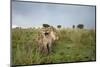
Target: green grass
(74,45)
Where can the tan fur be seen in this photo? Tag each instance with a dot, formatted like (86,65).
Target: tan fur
(45,42)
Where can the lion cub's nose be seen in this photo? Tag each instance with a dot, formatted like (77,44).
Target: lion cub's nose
(46,34)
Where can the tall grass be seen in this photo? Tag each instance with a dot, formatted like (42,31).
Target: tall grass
(73,45)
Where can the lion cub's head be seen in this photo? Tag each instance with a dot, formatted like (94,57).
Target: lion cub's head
(46,31)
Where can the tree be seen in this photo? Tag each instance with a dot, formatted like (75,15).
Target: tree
(80,26)
(59,26)
(46,25)
(73,26)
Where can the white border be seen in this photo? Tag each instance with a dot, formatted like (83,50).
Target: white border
(5,33)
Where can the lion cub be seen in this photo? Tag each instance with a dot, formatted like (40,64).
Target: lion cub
(45,40)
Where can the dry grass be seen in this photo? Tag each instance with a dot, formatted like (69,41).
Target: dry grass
(74,45)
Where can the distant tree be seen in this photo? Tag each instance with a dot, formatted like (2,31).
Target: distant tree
(46,25)
(59,26)
(18,27)
(73,26)
(80,26)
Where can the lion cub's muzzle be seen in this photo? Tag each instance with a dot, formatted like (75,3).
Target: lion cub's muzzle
(46,33)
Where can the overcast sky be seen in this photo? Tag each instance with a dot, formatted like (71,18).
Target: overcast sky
(27,14)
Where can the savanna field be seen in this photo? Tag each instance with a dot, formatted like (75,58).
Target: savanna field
(74,45)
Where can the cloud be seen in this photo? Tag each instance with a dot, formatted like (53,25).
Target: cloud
(14,26)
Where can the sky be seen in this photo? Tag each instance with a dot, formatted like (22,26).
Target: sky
(30,14)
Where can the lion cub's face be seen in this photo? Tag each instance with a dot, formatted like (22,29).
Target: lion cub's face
(46,31)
